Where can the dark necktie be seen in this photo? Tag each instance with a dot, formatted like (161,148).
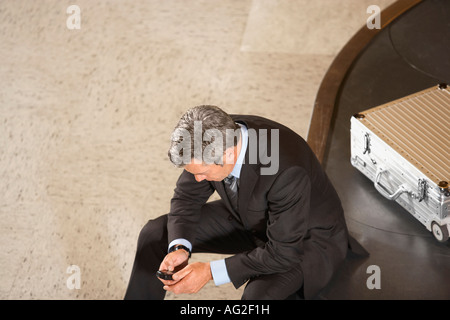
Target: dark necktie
(231,188)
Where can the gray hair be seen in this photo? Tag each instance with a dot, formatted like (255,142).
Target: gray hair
(203,133)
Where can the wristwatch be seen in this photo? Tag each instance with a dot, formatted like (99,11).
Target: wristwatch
(178,247)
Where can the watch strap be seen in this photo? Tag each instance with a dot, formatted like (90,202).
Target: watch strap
(178,247)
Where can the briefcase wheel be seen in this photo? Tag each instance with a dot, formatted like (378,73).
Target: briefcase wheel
(439,232)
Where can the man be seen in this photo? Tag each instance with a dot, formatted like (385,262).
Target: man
(279,216)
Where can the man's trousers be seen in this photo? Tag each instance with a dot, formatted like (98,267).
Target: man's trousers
(218,231)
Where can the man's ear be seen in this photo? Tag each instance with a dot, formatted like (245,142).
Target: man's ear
(229,155)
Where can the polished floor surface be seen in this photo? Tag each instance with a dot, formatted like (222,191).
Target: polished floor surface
(86,115)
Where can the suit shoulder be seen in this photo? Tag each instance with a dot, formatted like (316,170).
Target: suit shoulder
(292,149)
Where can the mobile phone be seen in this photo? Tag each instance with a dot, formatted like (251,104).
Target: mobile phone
(164,275)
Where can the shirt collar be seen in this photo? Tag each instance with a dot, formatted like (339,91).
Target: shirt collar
(240,160)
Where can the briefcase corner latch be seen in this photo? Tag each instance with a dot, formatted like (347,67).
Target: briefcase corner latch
(366,143)
(422,190)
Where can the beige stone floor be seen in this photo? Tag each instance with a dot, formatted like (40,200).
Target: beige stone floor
(86,116)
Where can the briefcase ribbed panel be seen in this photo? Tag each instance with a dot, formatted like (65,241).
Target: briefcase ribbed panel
(418,128)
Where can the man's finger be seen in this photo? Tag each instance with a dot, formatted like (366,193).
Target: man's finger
(176,288)
(168,282)
(173,260)
(182,273)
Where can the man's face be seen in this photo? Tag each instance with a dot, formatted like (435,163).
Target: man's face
(210,172)
(213,172)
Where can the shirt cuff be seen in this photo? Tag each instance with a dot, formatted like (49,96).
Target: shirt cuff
(183,242)
(219,272)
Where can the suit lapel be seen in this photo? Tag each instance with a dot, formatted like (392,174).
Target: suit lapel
(247,183)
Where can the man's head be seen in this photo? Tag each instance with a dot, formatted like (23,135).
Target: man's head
(206,142)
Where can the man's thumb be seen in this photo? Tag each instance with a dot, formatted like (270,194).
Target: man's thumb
(182,273)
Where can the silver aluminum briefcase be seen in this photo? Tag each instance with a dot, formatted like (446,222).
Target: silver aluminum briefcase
(404,148)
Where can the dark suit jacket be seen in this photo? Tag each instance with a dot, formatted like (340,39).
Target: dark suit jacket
(296,213)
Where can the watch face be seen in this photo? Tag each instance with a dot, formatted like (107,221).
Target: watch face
(164,275)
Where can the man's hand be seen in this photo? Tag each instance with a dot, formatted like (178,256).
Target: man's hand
(190,279)
(174,259)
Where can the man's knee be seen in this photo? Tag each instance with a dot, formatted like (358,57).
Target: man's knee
(153,233)
(275,286)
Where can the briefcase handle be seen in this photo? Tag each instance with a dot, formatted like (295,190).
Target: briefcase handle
(401,189)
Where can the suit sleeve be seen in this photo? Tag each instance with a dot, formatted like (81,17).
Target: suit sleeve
(289,204)
(185,206)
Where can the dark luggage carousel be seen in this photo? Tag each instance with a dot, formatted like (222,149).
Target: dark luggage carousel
(411,54)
